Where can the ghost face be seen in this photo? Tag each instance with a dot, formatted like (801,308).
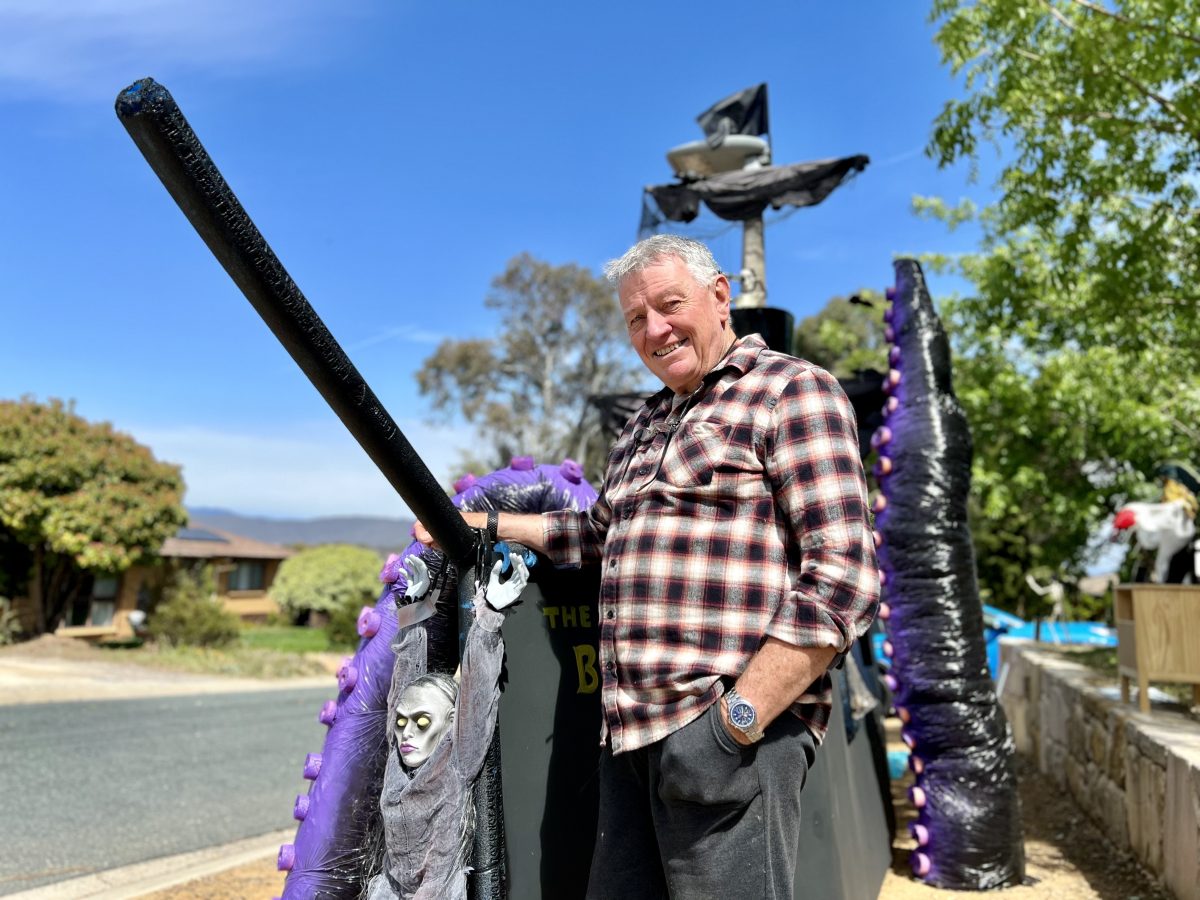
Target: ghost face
(423,713)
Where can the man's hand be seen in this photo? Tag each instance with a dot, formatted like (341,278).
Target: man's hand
(775,677)
(473,520)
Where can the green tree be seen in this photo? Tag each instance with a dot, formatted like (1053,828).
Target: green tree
(1060,442)
(1095,109)
(561,338)
(327,578)
(80,497)
(845,336)
(1076,348)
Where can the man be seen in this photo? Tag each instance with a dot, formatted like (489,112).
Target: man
(737,564)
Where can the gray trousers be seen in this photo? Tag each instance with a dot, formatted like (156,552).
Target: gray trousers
(696,816)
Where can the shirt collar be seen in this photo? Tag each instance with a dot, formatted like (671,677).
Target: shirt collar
(743,354)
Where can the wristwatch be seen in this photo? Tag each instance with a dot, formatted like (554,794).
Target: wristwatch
(742,715)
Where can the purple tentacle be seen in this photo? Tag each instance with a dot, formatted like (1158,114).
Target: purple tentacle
(969,827)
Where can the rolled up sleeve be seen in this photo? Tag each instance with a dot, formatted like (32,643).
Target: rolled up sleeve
(815,470)
(573,538)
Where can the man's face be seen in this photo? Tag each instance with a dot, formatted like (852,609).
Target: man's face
(676,326)
(423,713)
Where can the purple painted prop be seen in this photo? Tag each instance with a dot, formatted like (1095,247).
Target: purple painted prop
(332,854)
(968,828)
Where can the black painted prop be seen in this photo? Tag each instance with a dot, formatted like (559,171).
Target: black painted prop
(968,827)
(161,132)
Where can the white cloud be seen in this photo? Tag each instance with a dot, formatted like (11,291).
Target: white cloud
(296,471)
(85,48)
(403,333)
(911,153)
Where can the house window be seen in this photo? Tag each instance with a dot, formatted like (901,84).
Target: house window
(98,609)
(247,576)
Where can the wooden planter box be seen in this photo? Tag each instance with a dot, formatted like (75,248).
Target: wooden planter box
(1158,630)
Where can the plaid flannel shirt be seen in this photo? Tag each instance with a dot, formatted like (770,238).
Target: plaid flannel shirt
(740,516)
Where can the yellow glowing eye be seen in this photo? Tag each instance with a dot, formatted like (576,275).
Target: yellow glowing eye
(423,722)
(401,721)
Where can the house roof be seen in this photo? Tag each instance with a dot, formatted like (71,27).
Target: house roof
(213,543)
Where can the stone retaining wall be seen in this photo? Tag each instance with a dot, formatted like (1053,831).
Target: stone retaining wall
(1136,776)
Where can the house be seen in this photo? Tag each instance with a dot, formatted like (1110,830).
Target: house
(242,567)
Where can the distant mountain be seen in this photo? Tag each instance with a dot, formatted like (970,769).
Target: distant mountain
(379,533)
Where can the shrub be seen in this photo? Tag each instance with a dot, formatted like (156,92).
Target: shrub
(10,623)
(190,615)
(327,578)
(342,627)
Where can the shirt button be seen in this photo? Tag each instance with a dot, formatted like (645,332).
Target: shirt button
(610,614)
(610,666)
(612,563)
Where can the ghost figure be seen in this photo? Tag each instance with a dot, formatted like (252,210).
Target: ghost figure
(437,742)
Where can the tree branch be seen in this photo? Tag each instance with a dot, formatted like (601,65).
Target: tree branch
(1191,433)
(1168,107)
(1125,20)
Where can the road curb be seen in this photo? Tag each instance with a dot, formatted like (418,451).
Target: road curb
(159,874)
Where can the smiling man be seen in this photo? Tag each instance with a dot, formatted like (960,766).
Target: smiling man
(737,564)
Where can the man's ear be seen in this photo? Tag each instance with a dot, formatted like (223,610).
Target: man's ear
(722,293)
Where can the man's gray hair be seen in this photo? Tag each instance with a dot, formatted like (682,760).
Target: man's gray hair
(697,257)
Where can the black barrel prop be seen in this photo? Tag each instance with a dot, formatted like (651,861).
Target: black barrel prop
(160,131)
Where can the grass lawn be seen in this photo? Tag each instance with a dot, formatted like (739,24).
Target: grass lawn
(262,651)
(287,639)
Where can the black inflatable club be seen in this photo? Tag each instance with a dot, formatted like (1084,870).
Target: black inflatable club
(174,152)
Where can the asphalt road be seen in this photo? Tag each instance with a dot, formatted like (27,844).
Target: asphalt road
(94,785)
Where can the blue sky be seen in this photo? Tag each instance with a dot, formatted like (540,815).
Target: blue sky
(396,155)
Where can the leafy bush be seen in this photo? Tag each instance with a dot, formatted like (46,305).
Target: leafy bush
(189,614)
(326,579)
(10,623)
(342,626)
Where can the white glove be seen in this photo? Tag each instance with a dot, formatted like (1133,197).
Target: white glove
(501,595)
(417,576)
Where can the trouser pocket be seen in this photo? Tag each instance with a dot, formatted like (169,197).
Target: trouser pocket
(701,763)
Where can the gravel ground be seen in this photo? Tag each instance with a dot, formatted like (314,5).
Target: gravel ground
(1067,858)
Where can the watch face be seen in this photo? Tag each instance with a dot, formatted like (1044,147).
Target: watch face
(741,714)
